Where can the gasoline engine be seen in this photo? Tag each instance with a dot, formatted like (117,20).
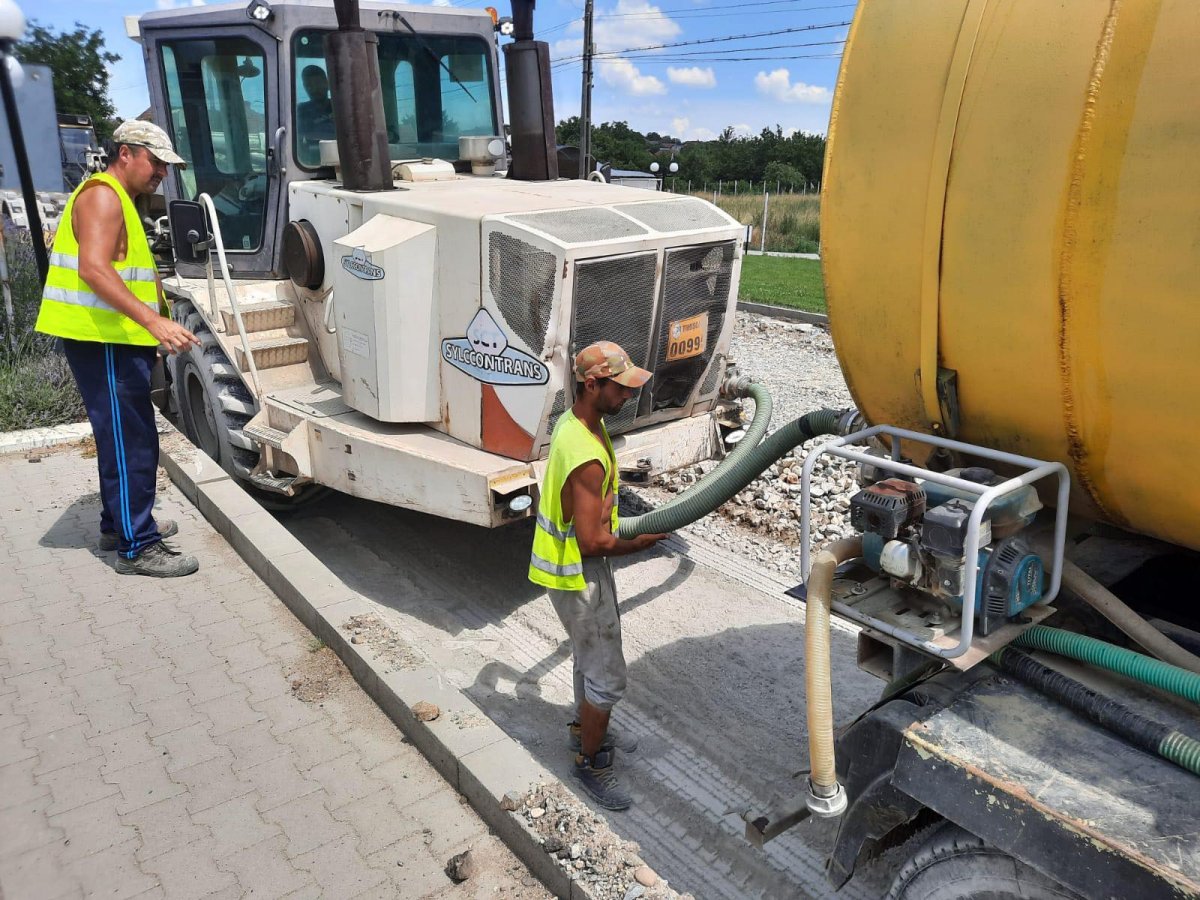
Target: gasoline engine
(915,532)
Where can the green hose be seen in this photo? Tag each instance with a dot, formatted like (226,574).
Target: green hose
(736,471)
(1133,665)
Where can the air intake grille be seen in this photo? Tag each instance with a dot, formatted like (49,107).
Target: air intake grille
(695,280)
(581,226)
(677,215)
(521,278)
(559,407)
(714,375)
(614,301)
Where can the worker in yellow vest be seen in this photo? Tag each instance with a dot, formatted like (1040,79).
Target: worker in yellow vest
(103,297)
(574,537)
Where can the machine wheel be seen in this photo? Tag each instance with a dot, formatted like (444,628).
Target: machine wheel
(955,864)
(213,403)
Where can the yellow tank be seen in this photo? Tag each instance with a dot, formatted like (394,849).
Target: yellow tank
(1012,195)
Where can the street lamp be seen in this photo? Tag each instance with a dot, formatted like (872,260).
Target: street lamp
(12,26)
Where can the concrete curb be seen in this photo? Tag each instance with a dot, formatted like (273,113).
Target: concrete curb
(783,312)
(35,438)
(481,762)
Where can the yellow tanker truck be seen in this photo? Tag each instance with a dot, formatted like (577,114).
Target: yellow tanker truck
(1011,246)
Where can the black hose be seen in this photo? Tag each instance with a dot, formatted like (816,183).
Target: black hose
(1154,737)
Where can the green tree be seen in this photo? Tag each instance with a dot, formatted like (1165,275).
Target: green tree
(80,67)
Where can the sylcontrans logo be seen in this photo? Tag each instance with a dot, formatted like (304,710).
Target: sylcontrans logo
(484,354)
(359,266)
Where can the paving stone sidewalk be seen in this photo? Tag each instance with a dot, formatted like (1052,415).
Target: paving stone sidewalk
(189,738)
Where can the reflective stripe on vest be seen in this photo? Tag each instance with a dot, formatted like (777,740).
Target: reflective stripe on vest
(556,561)
(70,308)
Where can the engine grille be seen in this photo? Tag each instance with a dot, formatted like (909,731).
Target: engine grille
(556,410)
(676,215)
(695,280)
(521,278)
(714,375)
(581,226)
(614,301)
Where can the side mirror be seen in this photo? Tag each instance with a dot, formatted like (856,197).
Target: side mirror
(190,232)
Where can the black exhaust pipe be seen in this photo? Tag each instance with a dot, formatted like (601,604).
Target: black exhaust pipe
(352,60)
(530,101)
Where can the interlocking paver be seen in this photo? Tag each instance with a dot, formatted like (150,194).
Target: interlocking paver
(152,746)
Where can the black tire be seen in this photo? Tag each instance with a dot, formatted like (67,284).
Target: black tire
(213,403)
(956,865)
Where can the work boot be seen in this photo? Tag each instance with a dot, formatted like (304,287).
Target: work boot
(109,540)
(615,737)
(159,560)
(599,778)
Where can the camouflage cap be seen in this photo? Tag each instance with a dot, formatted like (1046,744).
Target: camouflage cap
(148,135)
(604,359)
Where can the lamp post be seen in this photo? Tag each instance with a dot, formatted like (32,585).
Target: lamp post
(12,26)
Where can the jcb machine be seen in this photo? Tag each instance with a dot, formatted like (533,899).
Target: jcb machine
(1011,245)
(389,295)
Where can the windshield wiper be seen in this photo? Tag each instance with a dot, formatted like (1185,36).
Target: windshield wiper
(441,62)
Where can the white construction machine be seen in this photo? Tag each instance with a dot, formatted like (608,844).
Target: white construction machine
(389,295)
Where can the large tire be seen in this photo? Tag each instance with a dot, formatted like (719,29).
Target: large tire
(956,865)
(213,403)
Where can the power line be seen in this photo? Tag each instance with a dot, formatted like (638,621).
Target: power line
(713,53)
(692,13)
(716,40)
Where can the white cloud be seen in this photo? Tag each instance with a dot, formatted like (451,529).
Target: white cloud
(743,130)
(778,85)
(693,76)
(625,76)
(442,3)
(679,126)
(631,23)
(177,4)
(702,134)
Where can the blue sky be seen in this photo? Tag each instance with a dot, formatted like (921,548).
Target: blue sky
(690,91)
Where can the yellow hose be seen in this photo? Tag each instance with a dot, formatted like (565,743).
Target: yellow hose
(826,797)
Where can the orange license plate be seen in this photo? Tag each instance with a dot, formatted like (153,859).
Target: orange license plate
(687,337)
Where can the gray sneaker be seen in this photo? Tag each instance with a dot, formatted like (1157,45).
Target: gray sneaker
(159,560)
(599,778)
(615,737)
(109,541)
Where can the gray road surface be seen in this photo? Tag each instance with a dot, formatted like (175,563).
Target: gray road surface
(715,672)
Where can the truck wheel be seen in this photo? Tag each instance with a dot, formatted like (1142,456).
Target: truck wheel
(213,403)
(955,865)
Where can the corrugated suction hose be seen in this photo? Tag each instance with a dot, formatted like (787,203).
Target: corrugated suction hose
(825,795)
(749,459)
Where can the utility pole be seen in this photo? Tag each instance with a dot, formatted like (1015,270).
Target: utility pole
(585,104)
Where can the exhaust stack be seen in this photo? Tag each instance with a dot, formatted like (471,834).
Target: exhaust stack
(530,101)
(352,60)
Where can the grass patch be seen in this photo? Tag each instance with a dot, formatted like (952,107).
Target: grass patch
(36,386)
(793,220)
(780,281)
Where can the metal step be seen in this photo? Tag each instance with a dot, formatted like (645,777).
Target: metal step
(274,351)
(265,434)
(277,484)
(264,316)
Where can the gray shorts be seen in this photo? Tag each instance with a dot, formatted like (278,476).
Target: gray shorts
(593,624)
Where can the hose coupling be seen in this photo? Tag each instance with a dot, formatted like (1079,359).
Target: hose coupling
(825,807)
(850,421)
(736,386)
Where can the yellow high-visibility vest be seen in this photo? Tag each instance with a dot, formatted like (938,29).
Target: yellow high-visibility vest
(70,308)
(556,561)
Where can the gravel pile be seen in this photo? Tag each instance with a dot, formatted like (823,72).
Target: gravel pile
(587,849)
(762,523)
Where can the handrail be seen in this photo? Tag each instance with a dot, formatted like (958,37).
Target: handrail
(233,303)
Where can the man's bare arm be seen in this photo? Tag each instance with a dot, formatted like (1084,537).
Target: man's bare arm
(593,530)
(98,221)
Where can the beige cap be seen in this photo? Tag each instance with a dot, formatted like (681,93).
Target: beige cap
(148,135)
(604,359)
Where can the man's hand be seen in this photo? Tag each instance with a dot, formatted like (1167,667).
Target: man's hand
(171,334)
(645,541)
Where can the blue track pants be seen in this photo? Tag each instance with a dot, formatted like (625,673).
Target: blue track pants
(114,380)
